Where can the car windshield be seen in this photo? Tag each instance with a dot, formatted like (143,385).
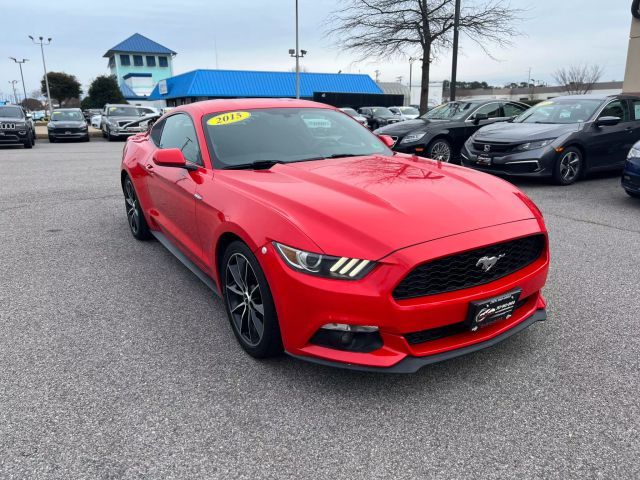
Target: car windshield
(350,111)
(240,138)
(10,112)
(124,112)
(62,116)
(450,111)
(560,111)
(382,112)
(409,110)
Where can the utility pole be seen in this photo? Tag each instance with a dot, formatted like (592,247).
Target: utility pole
(20,62)
(15,95)
(298,54)
(42,42)
(377,72)
(454,63)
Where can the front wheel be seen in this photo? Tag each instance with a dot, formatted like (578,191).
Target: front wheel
(135,217)
(27,143)
(440,149)
(568,167)
(249,304)
(632,194)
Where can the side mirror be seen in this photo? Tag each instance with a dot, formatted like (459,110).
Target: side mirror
(478,117)
(608,121)
(172,157)
(387,140)
(29,116)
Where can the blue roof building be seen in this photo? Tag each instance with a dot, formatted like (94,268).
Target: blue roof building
(210,84)
(139,64)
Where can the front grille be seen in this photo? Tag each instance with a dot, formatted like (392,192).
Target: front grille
(464,270)
(493,147)
(7,126)
(446,331)
(122,123)
(65,130)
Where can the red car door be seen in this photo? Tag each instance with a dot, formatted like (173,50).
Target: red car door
(172,190)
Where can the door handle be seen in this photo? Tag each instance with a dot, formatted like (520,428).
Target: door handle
(148,166)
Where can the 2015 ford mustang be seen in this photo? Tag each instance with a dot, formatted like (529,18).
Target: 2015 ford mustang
(324,243)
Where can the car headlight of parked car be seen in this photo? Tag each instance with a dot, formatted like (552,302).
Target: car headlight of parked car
(534,145)
(327,266)
(634,153)
(413,137)
(50,126)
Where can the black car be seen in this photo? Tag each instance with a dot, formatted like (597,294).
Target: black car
(378,116)
(562,138)
(631,172)
(16,127)
(67,124)
(442,131)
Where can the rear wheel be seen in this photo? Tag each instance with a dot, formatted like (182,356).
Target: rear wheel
(249,304)
(135,217)
(568,167)
(440,149)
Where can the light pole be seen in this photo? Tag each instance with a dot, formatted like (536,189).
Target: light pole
(42,42)
(454,63)
(20,62)
(15,95)
(298,54)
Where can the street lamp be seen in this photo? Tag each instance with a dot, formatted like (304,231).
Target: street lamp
(15,95)
(454,63)
(42,42)
(298,54)
(20,62)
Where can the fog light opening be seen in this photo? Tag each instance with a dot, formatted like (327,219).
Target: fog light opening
(344,327)
(351,338)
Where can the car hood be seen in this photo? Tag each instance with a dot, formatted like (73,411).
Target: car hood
(408,126)
(515,132)
(368,207)
(68,124)
(124,119)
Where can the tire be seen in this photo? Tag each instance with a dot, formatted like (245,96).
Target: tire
(51,139)
(135,218)
(27,143)
(245,293)
(569,167)
(33,138)
(109,136)
(632,194)
(440,147)
(87,139)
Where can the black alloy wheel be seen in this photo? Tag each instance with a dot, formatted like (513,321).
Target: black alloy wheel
(135,217)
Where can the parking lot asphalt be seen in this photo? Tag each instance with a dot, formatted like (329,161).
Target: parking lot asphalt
(116,362)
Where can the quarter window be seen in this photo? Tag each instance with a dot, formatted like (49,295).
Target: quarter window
(125,60)
(137,60)
(513,110)
(151,61)
(636,108)
(179,132)
(617,108)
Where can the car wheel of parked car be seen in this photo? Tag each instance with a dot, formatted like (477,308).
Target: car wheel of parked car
(633,194)
(51,139)
(439,149)
(249,303)
(135,217)
(27,143)
(33,138)
(109,136)
(569,167)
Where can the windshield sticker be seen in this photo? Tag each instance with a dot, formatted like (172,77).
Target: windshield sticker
(542,104)
(112,109)
(228,118)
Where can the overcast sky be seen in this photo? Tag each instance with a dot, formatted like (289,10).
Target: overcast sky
(256,34)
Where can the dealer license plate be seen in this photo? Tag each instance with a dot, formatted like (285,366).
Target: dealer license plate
(486,312)
(483,160)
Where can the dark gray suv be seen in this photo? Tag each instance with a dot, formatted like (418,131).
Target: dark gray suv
(16,126)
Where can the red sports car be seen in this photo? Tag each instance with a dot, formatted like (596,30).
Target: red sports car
(324,243)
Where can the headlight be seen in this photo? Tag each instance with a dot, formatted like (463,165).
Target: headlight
(534,145)
(413,137)
(634,153)
(324,265)
(83,127)
(50,126)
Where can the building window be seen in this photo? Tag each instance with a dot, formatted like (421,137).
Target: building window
(163,61)
(151,61)
(137,60)
(125,61)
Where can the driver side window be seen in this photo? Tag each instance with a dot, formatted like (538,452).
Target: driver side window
(617,108)
(178,132)
(492,110)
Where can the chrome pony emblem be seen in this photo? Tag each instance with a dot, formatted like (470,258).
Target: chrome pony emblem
(487,263)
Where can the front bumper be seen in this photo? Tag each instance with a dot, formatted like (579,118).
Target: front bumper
(304,303)
(534,163)
(60,134)
(631,176)
(11,137)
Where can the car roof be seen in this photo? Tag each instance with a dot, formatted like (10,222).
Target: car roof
(223,105)
(64,109)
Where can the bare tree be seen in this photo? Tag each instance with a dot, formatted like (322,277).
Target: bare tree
(385,29)
(578,79)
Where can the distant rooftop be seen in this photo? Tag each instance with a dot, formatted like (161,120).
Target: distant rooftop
(247,83)
(137,43)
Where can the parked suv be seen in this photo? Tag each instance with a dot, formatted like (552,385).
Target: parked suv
(16,126)
(441,132)
(116,116)
(378,116)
